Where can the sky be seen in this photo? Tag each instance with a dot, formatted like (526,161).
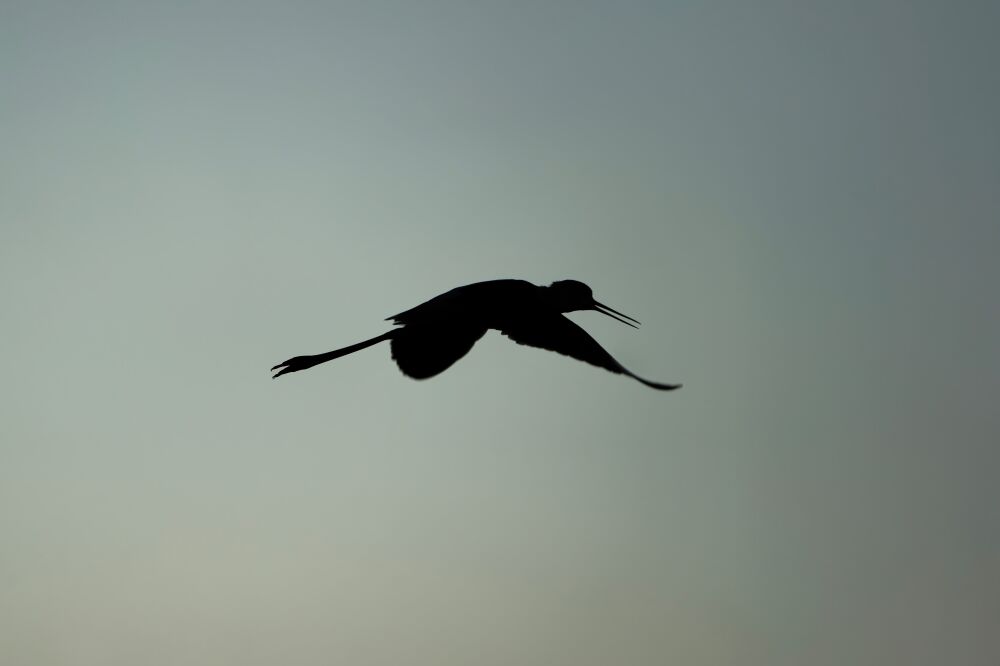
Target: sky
(797,199)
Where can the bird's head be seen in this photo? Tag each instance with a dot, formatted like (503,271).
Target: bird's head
(572,295)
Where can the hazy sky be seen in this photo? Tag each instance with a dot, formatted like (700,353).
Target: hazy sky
(797,199)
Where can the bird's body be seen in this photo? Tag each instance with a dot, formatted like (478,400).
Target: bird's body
(435,334)
(491,304)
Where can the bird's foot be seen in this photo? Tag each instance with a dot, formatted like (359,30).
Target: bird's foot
(293,365)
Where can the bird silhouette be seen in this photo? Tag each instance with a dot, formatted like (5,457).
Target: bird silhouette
(435,334)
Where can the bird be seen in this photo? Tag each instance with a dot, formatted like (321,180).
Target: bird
(435,334)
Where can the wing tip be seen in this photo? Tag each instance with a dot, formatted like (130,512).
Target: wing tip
(661,387)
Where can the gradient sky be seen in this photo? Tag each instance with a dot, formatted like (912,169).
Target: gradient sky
(797,199)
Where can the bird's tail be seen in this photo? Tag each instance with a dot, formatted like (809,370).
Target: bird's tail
(304,362)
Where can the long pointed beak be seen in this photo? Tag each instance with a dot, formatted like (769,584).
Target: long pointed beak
(604,309)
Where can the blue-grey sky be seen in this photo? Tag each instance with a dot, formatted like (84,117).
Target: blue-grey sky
(797,199)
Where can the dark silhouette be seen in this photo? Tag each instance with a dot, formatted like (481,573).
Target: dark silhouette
(437,333)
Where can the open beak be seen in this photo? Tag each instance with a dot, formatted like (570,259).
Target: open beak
(604,309)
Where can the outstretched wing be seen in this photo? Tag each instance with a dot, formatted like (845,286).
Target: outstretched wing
(422,351)
(557,333)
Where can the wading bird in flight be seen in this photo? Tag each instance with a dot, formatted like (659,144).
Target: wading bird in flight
(435,334)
